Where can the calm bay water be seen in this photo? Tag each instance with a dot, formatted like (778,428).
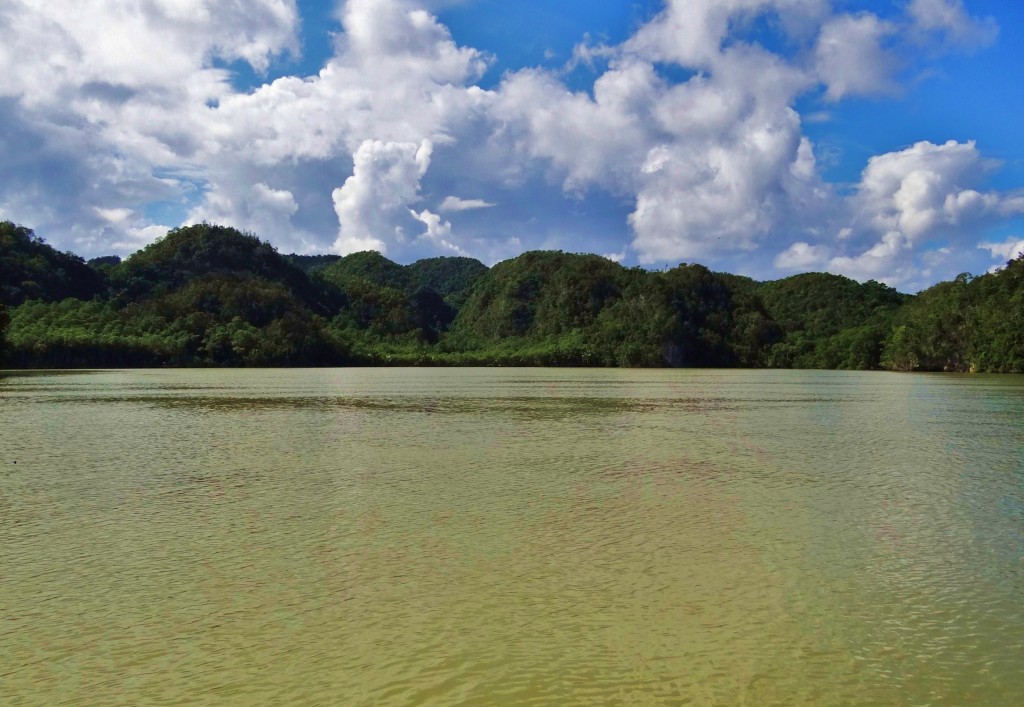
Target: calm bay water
(523,536)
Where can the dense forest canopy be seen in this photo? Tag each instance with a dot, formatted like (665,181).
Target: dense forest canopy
(30,269)
(5,321)
(210,295)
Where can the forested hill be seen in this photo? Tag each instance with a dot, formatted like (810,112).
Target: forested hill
(209,295)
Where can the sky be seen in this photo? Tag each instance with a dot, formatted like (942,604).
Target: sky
(875,139)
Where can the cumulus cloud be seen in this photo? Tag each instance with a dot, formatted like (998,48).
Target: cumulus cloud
(851,57)
(714,164)
(718,163)
(802,256)
(271,201)
(922,188)
(915,196)
(120,229)
(255,207)
(887,260)
(951,22)
(397,76)
(599,140)
(691,125)
(438,232)
(691,32)
(454,203)
(736,167)
(111,115)
(1007,250)
(397,79)
(145,46)
(373,201)
(153,94)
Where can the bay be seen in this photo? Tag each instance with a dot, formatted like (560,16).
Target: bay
(511,536)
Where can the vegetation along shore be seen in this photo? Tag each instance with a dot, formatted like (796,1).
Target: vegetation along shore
(209,295)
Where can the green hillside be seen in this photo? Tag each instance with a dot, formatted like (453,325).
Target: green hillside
(31,269)
(969,324)
(830,321)
(588,310)
(209,295)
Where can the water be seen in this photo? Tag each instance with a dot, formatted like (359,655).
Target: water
(504,536)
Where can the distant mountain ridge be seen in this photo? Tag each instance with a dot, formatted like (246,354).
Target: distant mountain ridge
(209,295)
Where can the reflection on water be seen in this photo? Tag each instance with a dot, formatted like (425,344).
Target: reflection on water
(511,536)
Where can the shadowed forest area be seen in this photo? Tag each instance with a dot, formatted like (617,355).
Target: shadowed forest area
(210,295)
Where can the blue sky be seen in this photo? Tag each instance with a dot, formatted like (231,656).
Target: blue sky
(873,139)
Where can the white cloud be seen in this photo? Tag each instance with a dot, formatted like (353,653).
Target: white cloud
(373,201)
(588,54)
(949,20)
(276,201)
(136,237)
(269,213)
(714,163)
(101,96)
(397,79)
(1007,250)
(122,231)
(906,200)
(851,58)
(454,203)
(924,188)
(257,208)
(691,32)
(690,127)
(150,93)
(802,256)
(438,232)
(114,215)
(121,48)
(589,141)
(735,166)
(887,261)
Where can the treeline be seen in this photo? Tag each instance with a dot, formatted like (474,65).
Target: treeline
(208,295)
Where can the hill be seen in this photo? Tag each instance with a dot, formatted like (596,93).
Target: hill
(310,264)
(967,324)
(209,295)
(30,269)
(587,310)
(392,304)
(830,321)
(207,251)
(203,295)
(452,278)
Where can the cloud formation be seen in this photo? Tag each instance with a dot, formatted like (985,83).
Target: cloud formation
(1012,247)
(371,203)
(454,203)
(691,124)
(802,257)
(952,23)
(916,194)
(851,57)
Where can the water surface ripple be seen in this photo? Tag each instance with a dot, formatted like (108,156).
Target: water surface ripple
(510,536)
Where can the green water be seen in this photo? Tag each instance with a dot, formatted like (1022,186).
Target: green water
(504,536)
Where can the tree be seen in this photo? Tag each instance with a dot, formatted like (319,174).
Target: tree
(32,269)
(209,295)
(5,320)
